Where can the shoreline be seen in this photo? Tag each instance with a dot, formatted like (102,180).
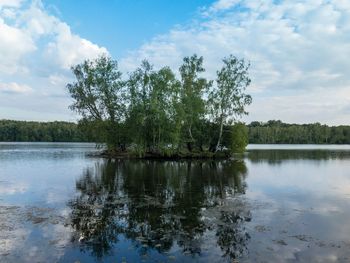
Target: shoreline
(158,156)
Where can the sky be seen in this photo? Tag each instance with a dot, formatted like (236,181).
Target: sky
(298,50)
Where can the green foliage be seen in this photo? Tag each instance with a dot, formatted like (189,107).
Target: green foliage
(154,112)
(98,95)
(236,137)
(23,131)
(278,132)
(227,100)
(193,88)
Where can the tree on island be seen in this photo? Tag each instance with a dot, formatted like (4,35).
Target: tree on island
(228,99)
(193,87)
(153,113)
(99,96)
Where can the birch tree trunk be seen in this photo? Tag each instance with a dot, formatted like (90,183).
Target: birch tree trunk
(220,133)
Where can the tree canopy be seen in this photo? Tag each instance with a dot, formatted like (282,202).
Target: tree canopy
(154,111)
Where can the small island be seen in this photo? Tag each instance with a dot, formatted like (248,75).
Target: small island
(162,114)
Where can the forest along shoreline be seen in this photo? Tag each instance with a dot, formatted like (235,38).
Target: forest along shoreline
(270,132)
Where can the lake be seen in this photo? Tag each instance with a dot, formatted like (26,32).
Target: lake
(276,203)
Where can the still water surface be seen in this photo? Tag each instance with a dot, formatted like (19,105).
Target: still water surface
(274,204)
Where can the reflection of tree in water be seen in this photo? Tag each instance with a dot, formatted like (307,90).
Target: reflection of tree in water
(156,204)
(231,232)
(95,209)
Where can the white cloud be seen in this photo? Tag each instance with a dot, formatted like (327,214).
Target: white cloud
(222,5)
(322,105)
(69,49)
(297,51)
(37,50)
(10,3)
(14,45)
(14,87)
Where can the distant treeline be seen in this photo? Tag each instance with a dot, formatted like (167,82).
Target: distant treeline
(30,131)
(271,132)
(277,132)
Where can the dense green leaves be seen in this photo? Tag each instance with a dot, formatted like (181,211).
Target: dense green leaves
(193,88)
(152,120)
(98,95)
(154,112)
(236,137)
(227,100)
(98,90)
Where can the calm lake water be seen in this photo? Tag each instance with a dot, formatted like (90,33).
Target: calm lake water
(277,203)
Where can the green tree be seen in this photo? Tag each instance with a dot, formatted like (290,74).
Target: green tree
(164,107)
(98,94)
(227,98)
(235,137)
(154,97)
(192,89)
(152,112)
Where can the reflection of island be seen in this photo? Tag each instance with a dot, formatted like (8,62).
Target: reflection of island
(159,204)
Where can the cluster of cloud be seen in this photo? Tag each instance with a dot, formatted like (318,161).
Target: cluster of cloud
(297,49)
(36,52)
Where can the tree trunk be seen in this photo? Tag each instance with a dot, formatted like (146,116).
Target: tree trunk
(189,144)
(190,133)
(158,136)
(220,133)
